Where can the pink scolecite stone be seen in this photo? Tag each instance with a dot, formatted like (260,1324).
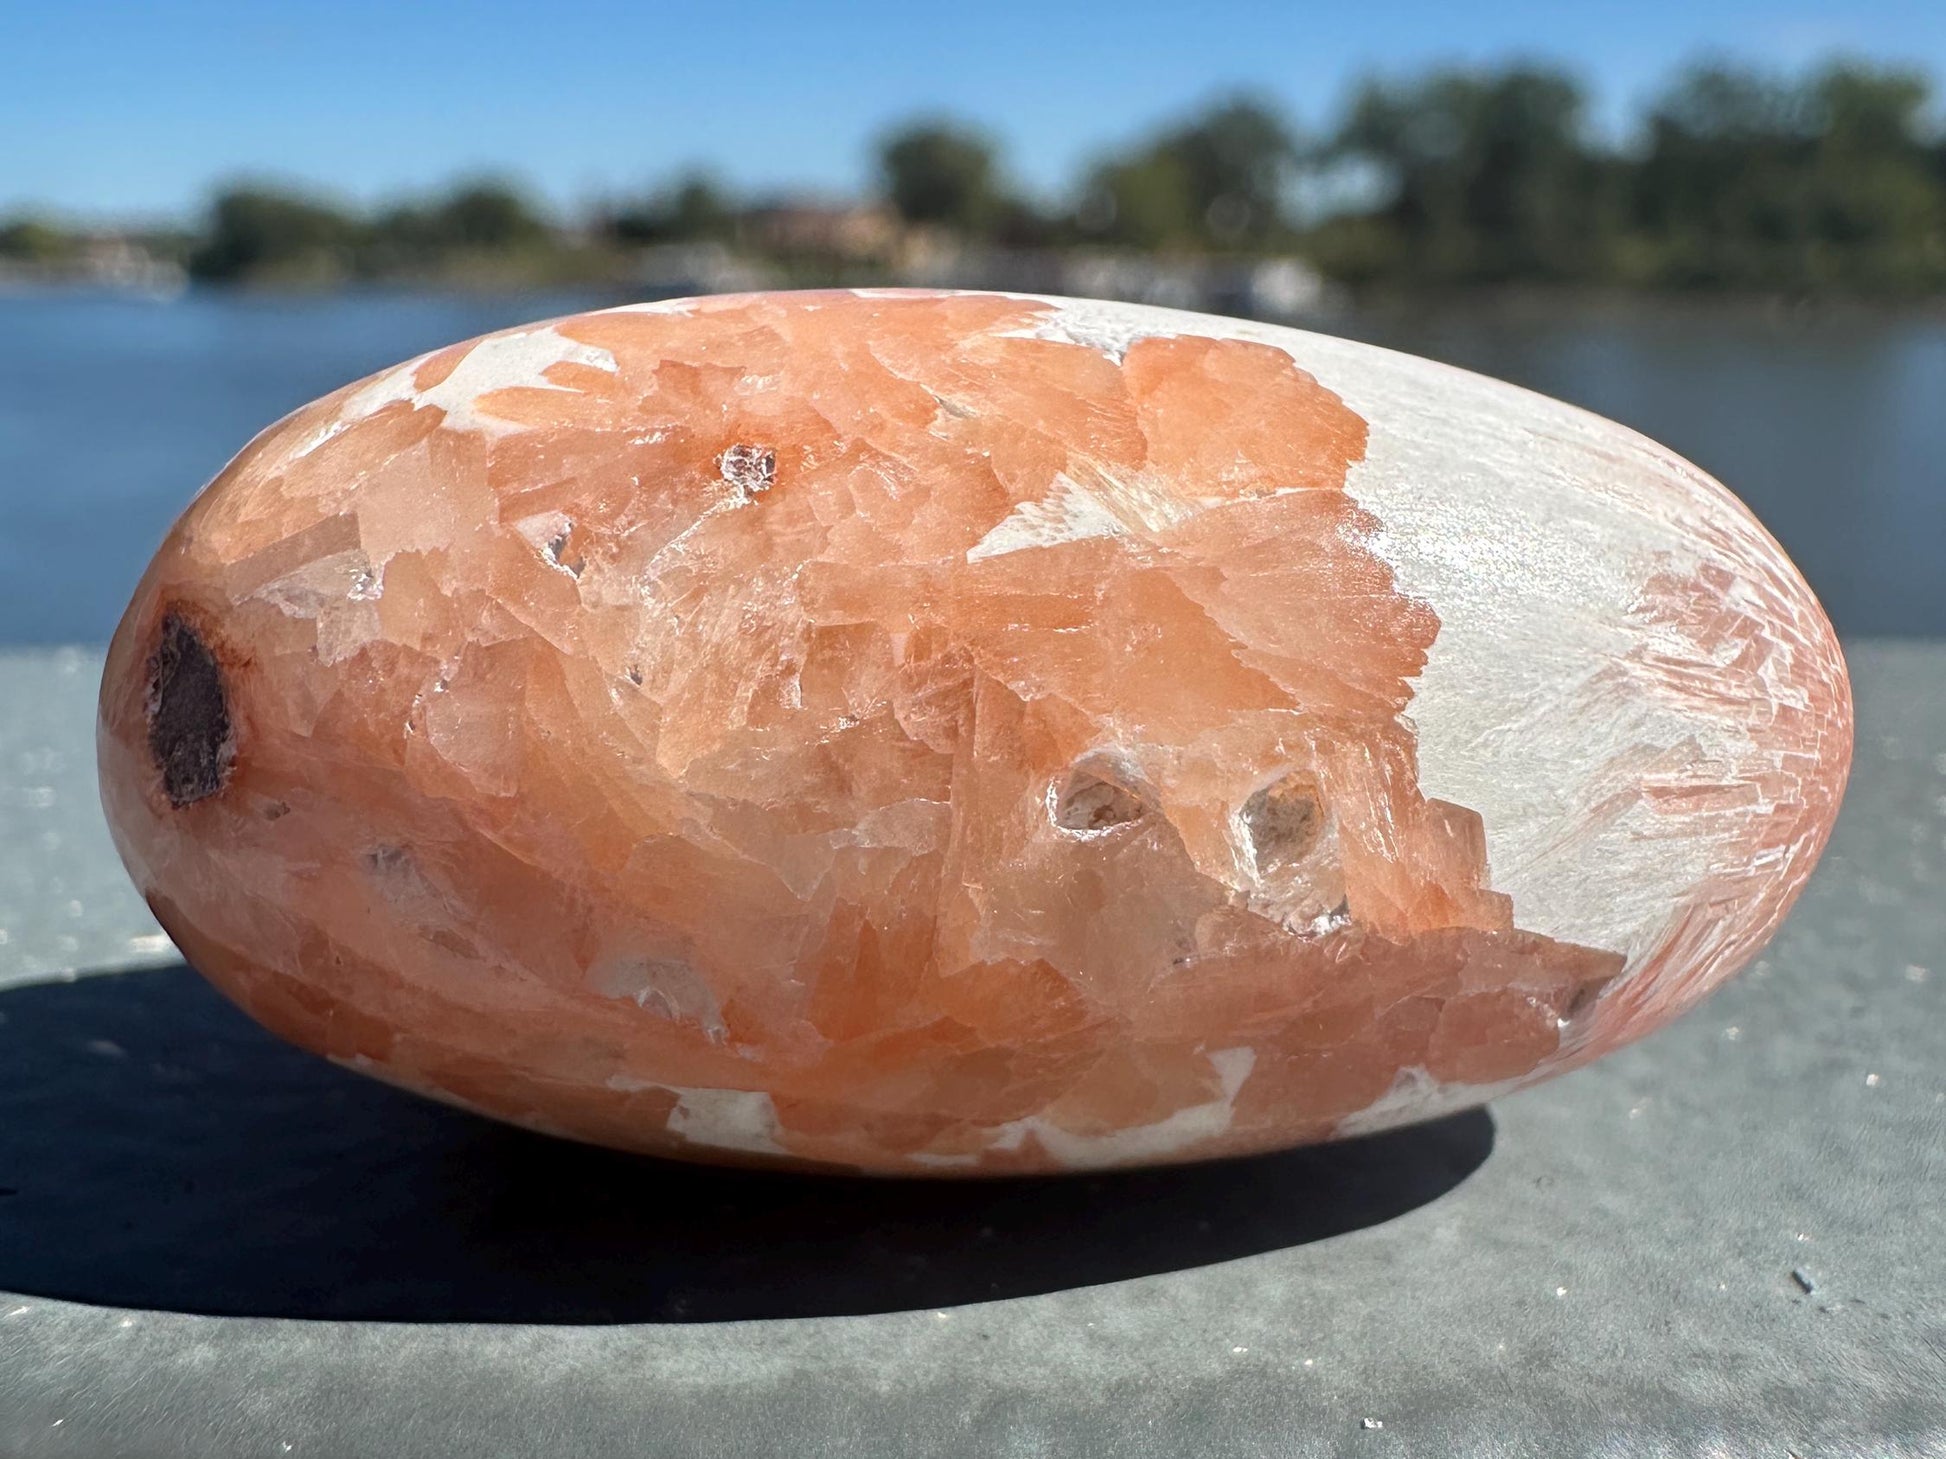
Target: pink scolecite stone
(960,733)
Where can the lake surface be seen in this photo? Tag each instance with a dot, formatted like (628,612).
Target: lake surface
(114,409)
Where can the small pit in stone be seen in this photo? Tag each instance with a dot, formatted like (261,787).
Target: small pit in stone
(749,469)
(190,733)
(1581,1003)
(1285,821)
(560,552)
(387,860)
(1090,802)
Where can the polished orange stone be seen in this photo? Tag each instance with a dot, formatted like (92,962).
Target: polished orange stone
(962,733)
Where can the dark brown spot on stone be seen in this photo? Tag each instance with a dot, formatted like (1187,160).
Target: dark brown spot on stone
(190,734)
(1284,820)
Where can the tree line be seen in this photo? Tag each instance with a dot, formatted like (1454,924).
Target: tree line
(1830,180)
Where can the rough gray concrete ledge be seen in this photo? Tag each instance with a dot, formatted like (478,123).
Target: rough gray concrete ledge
(1624,1274)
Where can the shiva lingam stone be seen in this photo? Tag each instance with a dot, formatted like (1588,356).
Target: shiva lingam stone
(963,733)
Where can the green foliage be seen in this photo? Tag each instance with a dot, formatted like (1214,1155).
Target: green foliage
(1220,179)
(1145,201)
(1742,181)
(1491,175)
(487,215)
(942,173)
(1831,180)
(694,209)
(255,232)
(35,240)
(259,235)
(480,218)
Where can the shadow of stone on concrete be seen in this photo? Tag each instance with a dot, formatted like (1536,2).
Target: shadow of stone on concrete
(158,1150)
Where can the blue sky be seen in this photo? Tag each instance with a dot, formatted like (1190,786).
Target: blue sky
(124,109)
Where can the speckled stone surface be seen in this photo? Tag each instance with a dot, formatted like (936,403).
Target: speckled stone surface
(1616,1263)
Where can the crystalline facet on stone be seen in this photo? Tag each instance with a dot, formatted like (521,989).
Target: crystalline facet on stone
(963,733)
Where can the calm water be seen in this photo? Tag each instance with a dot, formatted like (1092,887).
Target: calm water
(113,410)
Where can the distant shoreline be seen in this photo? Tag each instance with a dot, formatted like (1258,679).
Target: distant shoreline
(1521,303)
(1820,189)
